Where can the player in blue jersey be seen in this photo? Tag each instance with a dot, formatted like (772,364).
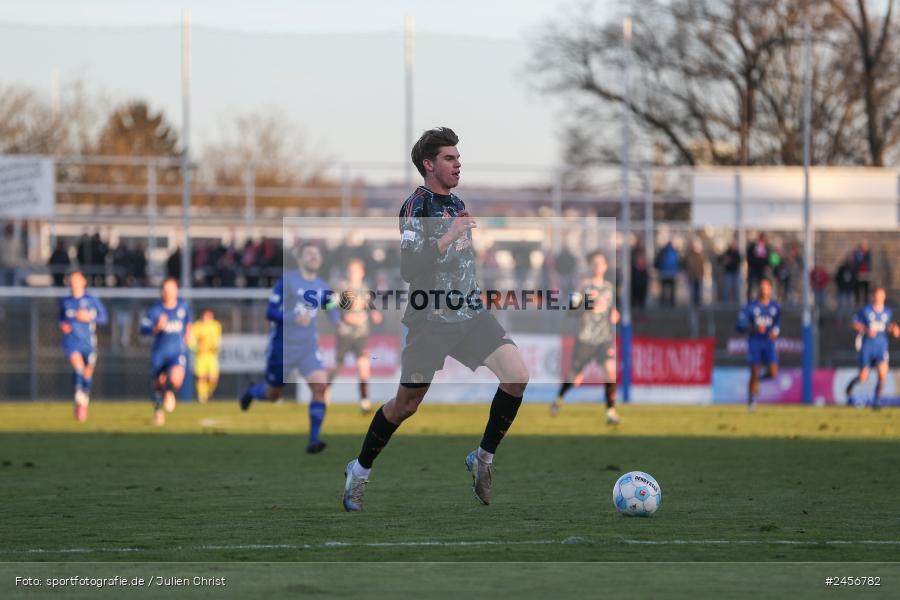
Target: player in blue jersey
(79,315)
(873,324)
(294,342)
(761,321)
(169,321)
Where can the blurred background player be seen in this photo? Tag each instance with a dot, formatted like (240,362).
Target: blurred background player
(169,321)
(206,337)
(79,315)
(353,329)
(294,344)
(873,323)
(760,319)
(595,340)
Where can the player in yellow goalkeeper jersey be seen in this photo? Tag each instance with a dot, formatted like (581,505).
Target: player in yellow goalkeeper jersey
(206,337)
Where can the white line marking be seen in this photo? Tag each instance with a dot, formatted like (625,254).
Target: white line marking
(439,544)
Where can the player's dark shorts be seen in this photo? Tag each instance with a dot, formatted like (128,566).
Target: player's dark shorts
(584,353)
(429,343)
(165,360)
(87,350)
(872,352)
(281,361)
(357,345)
(761,352)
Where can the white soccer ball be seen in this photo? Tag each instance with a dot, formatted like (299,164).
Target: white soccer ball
(637,494)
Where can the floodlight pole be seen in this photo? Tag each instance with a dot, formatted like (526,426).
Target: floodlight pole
(808,350)
(625,296)
(186,148)
(409,55)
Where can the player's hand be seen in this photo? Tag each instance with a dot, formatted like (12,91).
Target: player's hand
(773,335)
(302,319)
(376,317)
(461,225)
(761,328)
(66,327)
(614,317)
(871,332)
(83,315)
(895,330)
(161,322)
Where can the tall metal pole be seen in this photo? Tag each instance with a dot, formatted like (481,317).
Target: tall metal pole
(186,148)
(626,215)
(808,349)
(409,55)
(151,215)
(741,233)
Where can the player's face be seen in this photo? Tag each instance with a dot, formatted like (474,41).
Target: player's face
(311,259)
(879,297)
(207,315)
(598,266)
(77,284)
(765,290)
(445,168)
(169,292)
(355,271)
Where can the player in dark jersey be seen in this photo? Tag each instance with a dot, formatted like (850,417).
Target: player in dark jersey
(761,321)
(79,315)
(353,329)
(595,340)
(873,324)
(437,255)
(169,322)
(294,341)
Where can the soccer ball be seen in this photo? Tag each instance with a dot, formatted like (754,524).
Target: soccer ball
(637,494)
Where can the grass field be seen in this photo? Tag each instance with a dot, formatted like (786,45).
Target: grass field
(783,484)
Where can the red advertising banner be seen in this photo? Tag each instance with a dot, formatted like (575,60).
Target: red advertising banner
(663,361)
(656,361)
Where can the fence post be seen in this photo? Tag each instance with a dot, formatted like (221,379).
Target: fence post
(33,353)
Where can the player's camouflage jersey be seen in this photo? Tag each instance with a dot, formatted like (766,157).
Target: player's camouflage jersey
(424,218)
(358,306)
(595,325)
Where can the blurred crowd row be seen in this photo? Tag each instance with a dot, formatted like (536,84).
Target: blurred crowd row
(680,270)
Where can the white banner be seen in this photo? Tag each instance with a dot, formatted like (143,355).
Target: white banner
(772,198)
(27,187)
(243,353)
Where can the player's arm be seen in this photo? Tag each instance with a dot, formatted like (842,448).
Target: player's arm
(101,317)
(417,253)
(275,307)
(775,330)
(216,336)
(859,322)
(64,325)
(153,322)
(334,302)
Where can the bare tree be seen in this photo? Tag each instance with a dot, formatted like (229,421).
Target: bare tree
(873,41)
(714,82)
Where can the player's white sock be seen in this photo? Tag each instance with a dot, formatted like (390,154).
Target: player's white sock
(484,456)
(360,471)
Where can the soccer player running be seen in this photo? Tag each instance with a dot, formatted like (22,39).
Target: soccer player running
(206,337)
(873,324)
(169,322)
(595,340)
(353,329)
(437,255)
(760,319)
(79,315)
(294,341)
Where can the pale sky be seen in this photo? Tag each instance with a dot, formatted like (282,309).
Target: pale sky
(334,67)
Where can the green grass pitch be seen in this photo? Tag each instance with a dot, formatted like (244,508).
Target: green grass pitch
(783,484)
